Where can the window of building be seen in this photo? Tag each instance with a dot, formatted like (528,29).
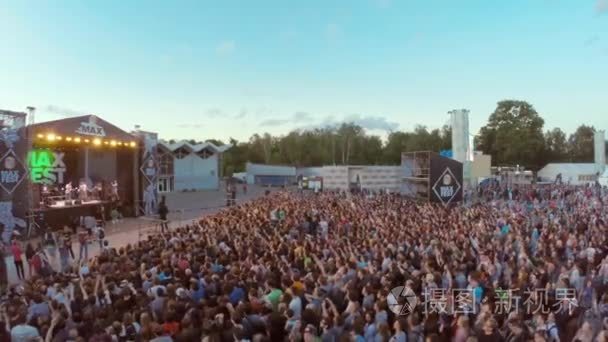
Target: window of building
(205,153)
(181,153)
(165,161)
(586,178)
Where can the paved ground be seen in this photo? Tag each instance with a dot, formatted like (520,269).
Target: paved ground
(184,207)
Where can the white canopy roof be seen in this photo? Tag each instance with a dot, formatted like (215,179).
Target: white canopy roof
(194,148)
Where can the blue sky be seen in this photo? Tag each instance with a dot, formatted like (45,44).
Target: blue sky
(216,69)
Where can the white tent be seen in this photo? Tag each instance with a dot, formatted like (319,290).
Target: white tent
(603,180)
(572,173)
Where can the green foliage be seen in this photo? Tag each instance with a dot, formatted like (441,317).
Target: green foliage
(347,144)
(513,135)
(580,145)
(556,145)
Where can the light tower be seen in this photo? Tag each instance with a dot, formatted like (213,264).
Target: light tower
(461,150)
(599,149)
(31,113)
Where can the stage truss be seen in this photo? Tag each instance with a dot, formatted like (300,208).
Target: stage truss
(416,174)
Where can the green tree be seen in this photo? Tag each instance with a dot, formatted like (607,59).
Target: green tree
(514,135)
(556,146)
(397,143)
(235,158)
(215,142)
(580,145)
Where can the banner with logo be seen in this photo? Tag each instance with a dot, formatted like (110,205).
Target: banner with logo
(445,180)
(149,169)
(13,175)
(46,166)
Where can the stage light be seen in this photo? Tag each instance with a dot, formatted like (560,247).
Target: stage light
(106,142)
(50,137)
(86,140)
(68,139)
(77,140)
(132,144)
(40,135)
(96,142)
(113,142)
(120,143)
(59,137)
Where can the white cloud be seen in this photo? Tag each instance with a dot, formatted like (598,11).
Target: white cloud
(189,125)
(372,123)
(241,114)
(302,117)
(333,32)
(214,112)
(379,123)
(592,40)
(298,117)
(226,47)
(63,111)
(601,6)
(383,3)
(273,122)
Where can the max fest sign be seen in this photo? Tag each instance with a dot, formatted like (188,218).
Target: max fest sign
(46,167)
(91,128)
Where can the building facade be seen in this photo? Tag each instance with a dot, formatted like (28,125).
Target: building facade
(270,175)
(365,177)
(186,167)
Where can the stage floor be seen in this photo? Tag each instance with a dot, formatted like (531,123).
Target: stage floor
(62,204)
(60,215)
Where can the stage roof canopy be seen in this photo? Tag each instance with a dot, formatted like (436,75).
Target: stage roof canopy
(87,126)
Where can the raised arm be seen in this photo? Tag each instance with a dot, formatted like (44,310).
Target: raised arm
(54,322)
(97,282)
(85,296)
(319,264)
(106,291)
(333,308)
(133,291)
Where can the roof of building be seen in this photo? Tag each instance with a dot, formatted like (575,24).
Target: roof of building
(86,125)
(569,168)
(194,148)
(270,170)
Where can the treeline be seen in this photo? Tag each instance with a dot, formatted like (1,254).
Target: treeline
(513,135)
(347,144)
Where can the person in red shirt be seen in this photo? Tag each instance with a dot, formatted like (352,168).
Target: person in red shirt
(17,252)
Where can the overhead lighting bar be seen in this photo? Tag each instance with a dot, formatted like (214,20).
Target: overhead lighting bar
(52,137)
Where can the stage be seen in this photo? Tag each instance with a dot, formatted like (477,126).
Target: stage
(70,203)
(81,167)
(57,217)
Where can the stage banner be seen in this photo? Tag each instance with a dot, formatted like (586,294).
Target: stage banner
(149,173)
(13,175)
(445,180)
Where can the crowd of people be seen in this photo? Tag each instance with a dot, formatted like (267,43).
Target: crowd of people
(519,264)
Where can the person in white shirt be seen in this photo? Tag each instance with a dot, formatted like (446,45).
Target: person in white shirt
(324,228)
(295,305)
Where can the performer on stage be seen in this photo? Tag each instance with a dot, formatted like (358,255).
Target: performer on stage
(114,195)
(83,190)
(97,191)
(68,191)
